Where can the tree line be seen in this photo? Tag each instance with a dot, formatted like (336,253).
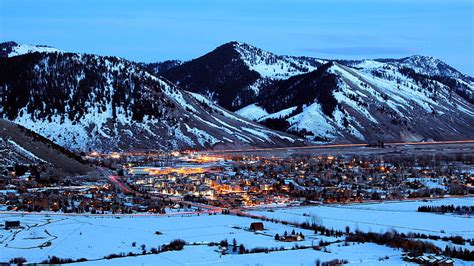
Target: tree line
(447,209)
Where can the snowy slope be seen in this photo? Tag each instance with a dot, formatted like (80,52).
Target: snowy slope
(253,112)
(373,101)
(12,153)
(424,66)
(272,66)
(21,146)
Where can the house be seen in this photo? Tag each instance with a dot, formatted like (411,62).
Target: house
(292,238)
(12,225)
(430,260)
(257,226)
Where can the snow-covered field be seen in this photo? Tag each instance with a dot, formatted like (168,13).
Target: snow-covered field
(94,237)
(381,217)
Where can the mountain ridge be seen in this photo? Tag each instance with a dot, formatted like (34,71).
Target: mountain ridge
(407,99)
(259,98)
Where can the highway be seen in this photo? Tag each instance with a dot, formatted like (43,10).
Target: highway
(336,146)
(290,148)
(114,180)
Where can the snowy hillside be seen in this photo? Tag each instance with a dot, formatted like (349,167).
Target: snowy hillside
(12,153)
(425,66)
(19,145)
(88,102)
(375,101)
(272,66)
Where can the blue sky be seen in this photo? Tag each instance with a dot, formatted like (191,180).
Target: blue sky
(177,29)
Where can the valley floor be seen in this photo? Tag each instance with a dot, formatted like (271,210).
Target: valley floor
(94,237)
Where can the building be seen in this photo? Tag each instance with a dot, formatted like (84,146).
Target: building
(257,226)
(431,260)
(12,225)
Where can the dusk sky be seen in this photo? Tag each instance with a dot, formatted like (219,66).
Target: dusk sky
(152,31)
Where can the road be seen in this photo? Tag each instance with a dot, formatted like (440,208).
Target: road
(114,180)
(145,214)
(335,146)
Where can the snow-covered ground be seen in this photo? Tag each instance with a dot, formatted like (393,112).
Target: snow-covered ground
(202,255)
(381,217)
(94,237)
(253,112)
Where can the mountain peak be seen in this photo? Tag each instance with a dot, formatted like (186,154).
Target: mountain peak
(431,66)
(239,47)
(237,44)
(270,65)
(8,44)
(422,58)
(11,48)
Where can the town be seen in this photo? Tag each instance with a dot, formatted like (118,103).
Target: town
(161,183)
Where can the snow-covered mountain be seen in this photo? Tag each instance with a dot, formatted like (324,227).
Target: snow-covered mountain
(412,98)
(89,102)
(269,65)
(107,103)
(233,74)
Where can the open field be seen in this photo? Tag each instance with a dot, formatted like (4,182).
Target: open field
(381,217)
(95,237)
(386,216)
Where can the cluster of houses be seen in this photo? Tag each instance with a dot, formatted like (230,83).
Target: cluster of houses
(254,182)
(238,182)
(430,260)
(74,195)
